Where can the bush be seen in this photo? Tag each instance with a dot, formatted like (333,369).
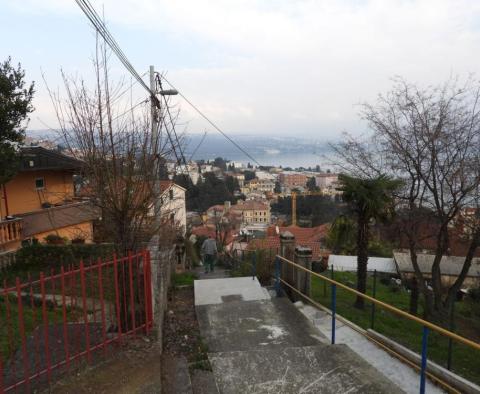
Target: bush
(474,294)
(41,257)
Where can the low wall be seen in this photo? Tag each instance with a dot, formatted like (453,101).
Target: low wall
(444,374)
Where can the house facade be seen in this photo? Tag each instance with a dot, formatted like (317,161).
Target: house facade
(40,200)
(173,205)
(291,179)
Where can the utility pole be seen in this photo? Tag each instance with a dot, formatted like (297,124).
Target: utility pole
(154,121)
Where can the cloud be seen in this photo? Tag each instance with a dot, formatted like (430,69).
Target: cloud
(294,66)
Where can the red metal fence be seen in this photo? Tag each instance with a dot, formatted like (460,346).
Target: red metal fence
(49,324)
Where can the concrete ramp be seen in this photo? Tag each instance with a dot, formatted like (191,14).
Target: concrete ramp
(333,369)
(253,325)
(261,345)
(218,291)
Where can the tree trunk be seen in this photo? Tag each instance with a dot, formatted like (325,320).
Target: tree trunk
(362,260)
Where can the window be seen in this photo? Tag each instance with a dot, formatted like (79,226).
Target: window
(39,183)
(170,192)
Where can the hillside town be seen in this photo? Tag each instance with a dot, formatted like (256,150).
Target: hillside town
(239,197)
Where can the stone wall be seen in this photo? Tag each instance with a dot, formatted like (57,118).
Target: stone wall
(163,261)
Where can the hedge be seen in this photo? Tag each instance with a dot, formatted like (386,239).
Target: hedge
(43,257)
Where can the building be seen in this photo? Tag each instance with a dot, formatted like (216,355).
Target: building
(253,211)
(327,182)
(450,268)
(240,178)
(349,263)
(244,212)
(190,169)
(40,200)
(262,185)
(312,237)
(173,205)
(292,179)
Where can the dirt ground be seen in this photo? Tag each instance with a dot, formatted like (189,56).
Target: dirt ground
(181,335)
(135,368)
(186,366)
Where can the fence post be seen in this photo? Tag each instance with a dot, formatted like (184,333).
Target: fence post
(84,306)
(254,265)
(374,293)
(334,309)
(424,359)
(21,326)
(277,276)
(150,301)
(450,340)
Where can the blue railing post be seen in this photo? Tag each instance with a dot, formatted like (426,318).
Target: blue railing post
(277,276)
(424,359)
(334,309)
(254,265)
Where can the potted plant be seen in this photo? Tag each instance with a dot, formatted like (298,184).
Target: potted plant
(54,239)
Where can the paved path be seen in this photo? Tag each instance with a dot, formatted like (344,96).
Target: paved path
(266,345)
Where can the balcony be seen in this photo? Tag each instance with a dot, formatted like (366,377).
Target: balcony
(10,231)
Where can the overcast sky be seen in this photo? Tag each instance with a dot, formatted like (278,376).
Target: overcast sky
(270,67)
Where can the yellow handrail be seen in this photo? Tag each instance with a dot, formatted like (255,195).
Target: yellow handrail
(389,307)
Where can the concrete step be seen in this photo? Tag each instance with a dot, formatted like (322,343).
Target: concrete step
(310,369)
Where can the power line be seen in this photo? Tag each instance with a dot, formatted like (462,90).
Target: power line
(211,122)
(131,109)
(99,25)
(92,15)
(198,146)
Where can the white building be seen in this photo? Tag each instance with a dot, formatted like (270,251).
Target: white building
(173,205)
(326,181)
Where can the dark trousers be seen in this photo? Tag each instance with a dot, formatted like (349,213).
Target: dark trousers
(209,262)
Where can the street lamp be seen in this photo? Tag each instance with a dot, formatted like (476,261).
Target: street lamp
(168,92)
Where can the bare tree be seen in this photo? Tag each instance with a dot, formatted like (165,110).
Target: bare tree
(122,155)
(429,138)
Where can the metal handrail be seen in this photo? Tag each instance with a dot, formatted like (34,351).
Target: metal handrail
(389,307)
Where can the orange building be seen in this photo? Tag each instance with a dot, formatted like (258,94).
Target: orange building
(40,200)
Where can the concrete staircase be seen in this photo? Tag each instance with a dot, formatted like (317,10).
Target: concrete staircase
(259,344)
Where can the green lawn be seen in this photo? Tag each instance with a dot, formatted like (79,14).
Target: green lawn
(465,361)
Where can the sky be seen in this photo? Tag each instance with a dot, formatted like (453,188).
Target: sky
(281,68)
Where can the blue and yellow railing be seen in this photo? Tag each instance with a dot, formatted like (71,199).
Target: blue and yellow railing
(427,326)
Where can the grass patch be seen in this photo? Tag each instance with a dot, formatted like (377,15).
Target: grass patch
(32,318)
(184,279)
(465,361)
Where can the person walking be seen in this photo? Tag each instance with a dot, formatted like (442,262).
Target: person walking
(209,252)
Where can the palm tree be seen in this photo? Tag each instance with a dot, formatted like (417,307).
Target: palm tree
(370,199)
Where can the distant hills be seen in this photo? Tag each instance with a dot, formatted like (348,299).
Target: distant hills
(268,150)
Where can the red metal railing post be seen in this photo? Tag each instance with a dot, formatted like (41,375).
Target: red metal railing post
(84,305)
(45,325)
(117,296)
(102,305)
(21,326)
(132,300)
(149,301)
(64,313)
